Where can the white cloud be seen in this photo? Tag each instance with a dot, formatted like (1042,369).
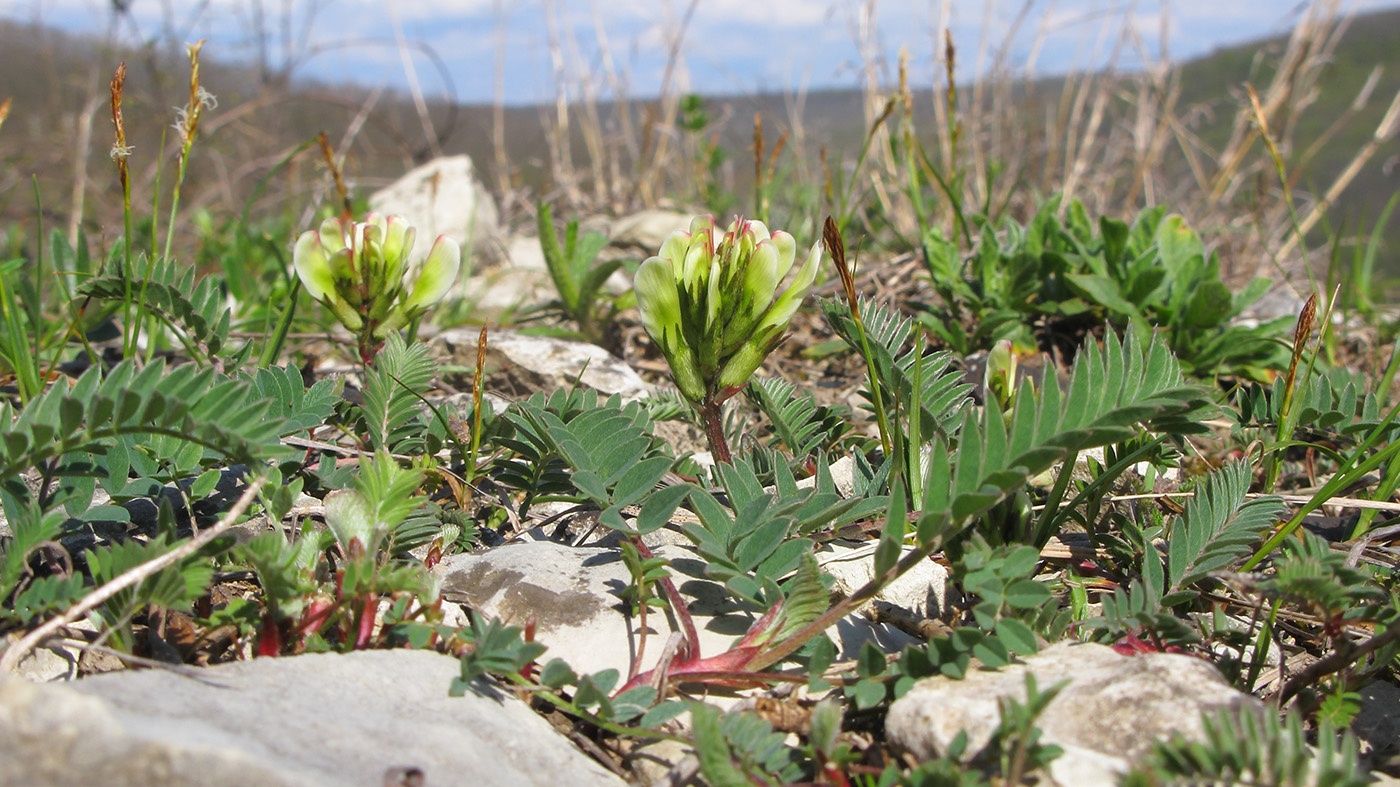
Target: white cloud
(728,45)
(712,13)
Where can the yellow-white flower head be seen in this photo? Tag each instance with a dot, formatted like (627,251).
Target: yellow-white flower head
(711,302)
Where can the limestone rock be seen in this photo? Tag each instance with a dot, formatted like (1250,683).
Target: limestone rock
(843,477)
(923,590)
(442,197)
(1378,722)
(572,595)
(1108,715)
(647,229)
(500,293)
(1280,301)
(324,719)
(50,663)
(544,362)
(653,761)
(523,252)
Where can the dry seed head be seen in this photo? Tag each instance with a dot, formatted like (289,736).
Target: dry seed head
(1259,116)
(187,119)
(758,148)
(1386,129)
(904,94)
(836,247)
(193,50)
(120,150)
(119,80)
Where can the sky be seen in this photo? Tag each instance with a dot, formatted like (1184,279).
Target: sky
(479,50)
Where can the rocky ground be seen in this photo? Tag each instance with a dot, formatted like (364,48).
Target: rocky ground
(385,717)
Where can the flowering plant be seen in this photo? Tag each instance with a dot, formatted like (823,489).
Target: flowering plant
(359,270)
(711,302)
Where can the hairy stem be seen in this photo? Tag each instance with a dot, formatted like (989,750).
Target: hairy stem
(673,596)
(714,430)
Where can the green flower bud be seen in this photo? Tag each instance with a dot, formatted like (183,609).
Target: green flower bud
(313,266)
(711,303)
(655,283)
(999,377)
(435,277)
(359,271)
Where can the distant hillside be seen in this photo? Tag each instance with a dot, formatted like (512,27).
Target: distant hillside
(1215,82)
(1212,93)
(59,86)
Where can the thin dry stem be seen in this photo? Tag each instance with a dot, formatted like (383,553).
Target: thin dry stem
(414,88)
(82,143)
(1384,131)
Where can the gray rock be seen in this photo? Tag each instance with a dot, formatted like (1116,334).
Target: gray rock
(1282,301)
(646,230)
(923,590)
(572,595)
(683,437)
(324,719)
(1112,710)
(50,663)
(653,761)
(843,477)
(442,197)
(583,530)
(546,363)
(523,252)
(1378,722)
(502,292)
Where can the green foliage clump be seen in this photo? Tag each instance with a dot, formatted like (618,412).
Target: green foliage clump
(577,279)
(1062,273)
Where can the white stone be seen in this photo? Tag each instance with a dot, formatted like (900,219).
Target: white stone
(843,477)
(647,229)
(523,252)
(324,719)
(441,197)
(41,665)
(572,595)
(554,363)
(923,589)
(1378,722)
(1108,715)
(500,294)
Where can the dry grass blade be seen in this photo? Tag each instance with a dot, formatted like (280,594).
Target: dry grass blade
(1389,124)
(415,89)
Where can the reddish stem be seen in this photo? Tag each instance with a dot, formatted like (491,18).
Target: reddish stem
(641,637)
(673,596)
(366,622)
(714,430)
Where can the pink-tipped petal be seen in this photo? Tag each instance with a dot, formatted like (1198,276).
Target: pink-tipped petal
(436,276)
